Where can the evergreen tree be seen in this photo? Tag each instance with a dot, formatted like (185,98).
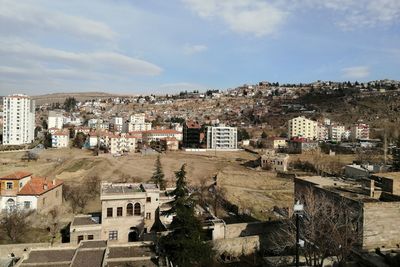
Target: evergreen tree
(264,135)
(158,175)
(185,245)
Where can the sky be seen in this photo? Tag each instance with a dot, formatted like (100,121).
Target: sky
(159,46)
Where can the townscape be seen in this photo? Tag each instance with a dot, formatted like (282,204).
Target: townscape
(200,133)
(72,203)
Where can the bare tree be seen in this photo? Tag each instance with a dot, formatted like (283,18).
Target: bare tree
(15,223)
(92,184)
(77,197)
(52,221)
(328,226)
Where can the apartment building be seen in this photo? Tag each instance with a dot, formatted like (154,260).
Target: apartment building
(221,137)
(116,124)
(336,132)
(25,191)
(322,132)
(160,134)
(60,139)
(18,119)
(303,127)
(137,122)
(55,120)
(122,143)
(191,134)
(360,131)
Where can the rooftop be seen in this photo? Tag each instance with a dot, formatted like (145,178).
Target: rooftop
(16,175)
(392,175)
(38,186)
(83,220)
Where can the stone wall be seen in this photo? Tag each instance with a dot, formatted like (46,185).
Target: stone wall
(381,225)
(237,246)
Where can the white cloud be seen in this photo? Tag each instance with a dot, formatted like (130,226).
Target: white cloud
(194,49)
(357,72)
(255,17)
(95,61)
(33,17)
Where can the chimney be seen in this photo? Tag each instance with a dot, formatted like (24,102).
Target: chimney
(372,188)
(54,181)
(45,186)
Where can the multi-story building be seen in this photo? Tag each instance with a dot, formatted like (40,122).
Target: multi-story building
(221,137)
(18,120)
(55,120)
(322,132)
(117,124)
(60,139)
(137,122)
(336,132)
(275,161)
(360,131)
(122,143)
(159,134)
(24,191)
(303,127)
(191,134)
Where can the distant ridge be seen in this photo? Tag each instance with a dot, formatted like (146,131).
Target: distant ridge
(60,97)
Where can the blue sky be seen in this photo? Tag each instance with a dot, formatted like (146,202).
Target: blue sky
(159,46)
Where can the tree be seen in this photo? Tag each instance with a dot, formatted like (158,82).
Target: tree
(52,222)
(185,245)
(15,223)
(30,156)
(329,227)
(243,135)
(77,196)
(47,140)
(158,174)
(70,104)
(264,135)
(44,124)
(79,140)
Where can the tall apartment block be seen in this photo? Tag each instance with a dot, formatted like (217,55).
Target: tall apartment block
(221,137)
(302,127)
(191,134)
(19,119)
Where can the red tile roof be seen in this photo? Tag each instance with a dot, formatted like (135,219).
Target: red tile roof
(193,124)
(16,175)
(165,131)
(38,186)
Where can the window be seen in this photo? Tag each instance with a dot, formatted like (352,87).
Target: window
(44,201)
(119,211)
(9,185)
(80,238)
(148,216)
(148,199)
(113,235)
(109,212)
(90,237)
(56,193)
(27,204)
(137,209)
(129,209)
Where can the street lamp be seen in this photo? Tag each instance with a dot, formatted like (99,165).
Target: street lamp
(298,211)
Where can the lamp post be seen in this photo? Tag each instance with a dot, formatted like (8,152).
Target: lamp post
(298,210)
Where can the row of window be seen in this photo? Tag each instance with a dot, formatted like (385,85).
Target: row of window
(130,210)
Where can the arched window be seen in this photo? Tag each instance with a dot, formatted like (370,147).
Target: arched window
(137,209)
(129,209)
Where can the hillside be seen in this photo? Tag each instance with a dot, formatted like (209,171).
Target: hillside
(60,97)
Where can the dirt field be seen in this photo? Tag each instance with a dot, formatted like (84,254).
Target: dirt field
(257,191)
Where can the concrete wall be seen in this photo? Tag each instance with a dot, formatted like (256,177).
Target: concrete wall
(381,225)
(85,231)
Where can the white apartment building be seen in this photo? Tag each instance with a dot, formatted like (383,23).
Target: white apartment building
(122,143)
(360,131)
(55,120)
(221,137)
(160,134)
(302,127)
(18,119)
(137,122)
(60,139)
(323,132)
(336,132)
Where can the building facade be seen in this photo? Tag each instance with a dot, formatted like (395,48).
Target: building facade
(24,191)
(18,120)
(360,131)
(55,120)
(302,127)
(221,137)
(128,210)
(191,134)
(60,139)
(336,132)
